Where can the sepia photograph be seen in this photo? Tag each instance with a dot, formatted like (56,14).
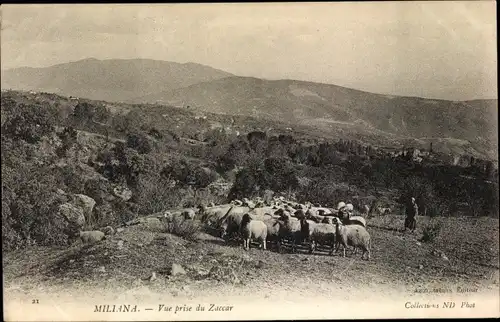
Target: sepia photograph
(249,161)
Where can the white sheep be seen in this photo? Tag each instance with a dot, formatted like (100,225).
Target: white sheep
(275,231)
(253,229)
(291,230)
(92,236)
(260,212)
(352,235)
(318,233)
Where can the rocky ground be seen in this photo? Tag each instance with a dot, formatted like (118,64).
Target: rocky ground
(119,270)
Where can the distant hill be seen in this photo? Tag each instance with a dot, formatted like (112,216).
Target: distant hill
(110,80)
(468,127)
(472,125)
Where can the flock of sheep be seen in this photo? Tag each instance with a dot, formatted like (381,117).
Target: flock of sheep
(278,222)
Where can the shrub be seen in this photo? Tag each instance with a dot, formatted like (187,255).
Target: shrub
(68,137)
(139,142)
(179,226)
(154,194)
(430,232)
(31,217)
(29,123)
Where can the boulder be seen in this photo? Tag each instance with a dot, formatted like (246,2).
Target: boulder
(85,203)
(92,236)
(73,214)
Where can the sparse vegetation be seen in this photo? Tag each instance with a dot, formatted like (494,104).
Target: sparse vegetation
(142,151)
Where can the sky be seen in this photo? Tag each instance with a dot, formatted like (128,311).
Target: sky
(442,50)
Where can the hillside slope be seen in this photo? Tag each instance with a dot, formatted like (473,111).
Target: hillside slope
(111,80)
(331,107)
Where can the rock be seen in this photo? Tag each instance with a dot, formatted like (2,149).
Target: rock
(86,203)
(120,244)
(177,270)
(73,214)
(122,192)
(419,244)
(91,236)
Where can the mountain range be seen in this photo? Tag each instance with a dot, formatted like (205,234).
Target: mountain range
(469,126)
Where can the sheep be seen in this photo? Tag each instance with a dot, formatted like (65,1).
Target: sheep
(352,235)
(275,231)
(232,212)
(210,215)
(253,229)
(237,202)
(356,220)
(188,214)
(314,217)
(229,228)
(260,212)
(299,214)
(327,220)
(248,203)
(92,236)
(322,233)
(322,211)
(291,230)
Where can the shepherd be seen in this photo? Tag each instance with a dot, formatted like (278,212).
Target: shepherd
(411,214)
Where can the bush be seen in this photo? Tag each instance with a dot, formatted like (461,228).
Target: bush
(430,232)
(139,142)
(68,137)
(31,208)
(179,226)
(188,174)
(154,194)
(29,123)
